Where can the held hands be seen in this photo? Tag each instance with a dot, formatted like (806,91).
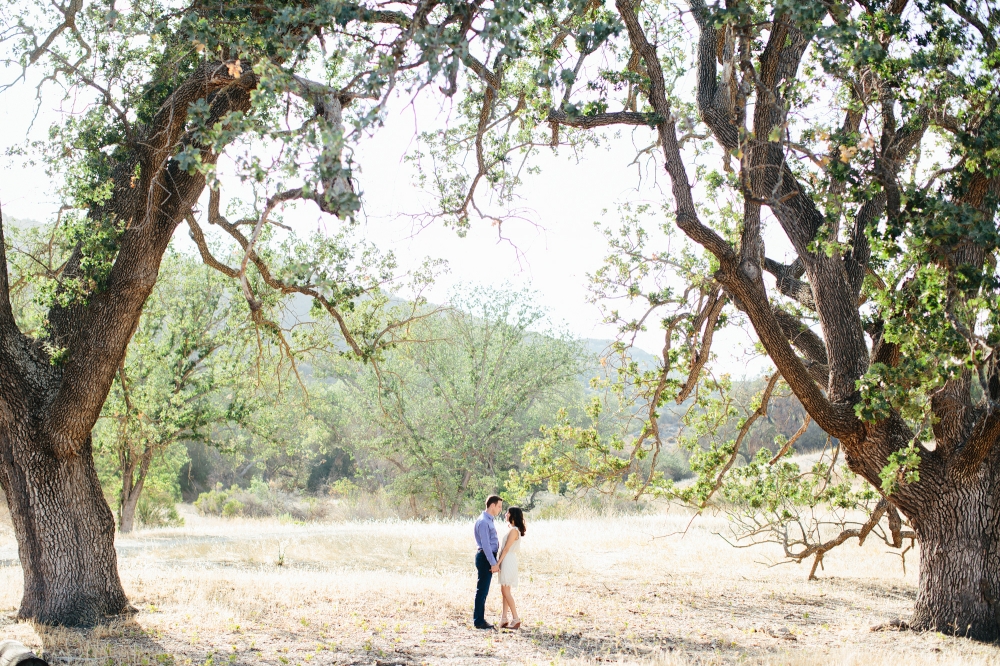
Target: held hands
(495,568)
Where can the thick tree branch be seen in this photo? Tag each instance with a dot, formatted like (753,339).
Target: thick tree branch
(856,261)
(958,6)
(768,180)
(873,519)
(686,212)
(602,119)
(955,415)
(789,285)
(808,343)
(820,549)
(834,299)
(742,279)
(483,72)
(801,336)
(96,334)
(966,460)
(721,103)
(837,419)
(169,123)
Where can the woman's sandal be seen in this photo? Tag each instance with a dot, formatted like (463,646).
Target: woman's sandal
(505,624)
(516,625)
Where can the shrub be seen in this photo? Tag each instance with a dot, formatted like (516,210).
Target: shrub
(259,501)
(157,509)
(232,508)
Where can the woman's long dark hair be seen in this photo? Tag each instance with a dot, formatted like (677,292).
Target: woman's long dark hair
(517,519)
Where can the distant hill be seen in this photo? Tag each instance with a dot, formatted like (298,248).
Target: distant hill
(602,347)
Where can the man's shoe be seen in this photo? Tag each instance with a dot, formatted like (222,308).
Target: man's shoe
(484,626)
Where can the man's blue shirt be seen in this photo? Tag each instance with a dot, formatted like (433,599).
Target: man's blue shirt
(486,537)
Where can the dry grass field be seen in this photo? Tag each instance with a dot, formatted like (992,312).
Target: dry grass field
(600,589)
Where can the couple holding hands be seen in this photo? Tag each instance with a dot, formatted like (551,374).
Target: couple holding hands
(494,557)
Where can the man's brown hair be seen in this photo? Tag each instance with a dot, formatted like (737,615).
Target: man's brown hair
(492,499)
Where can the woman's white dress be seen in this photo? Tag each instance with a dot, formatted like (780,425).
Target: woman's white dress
(508,568)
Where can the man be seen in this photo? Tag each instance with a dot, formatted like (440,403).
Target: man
(486,558)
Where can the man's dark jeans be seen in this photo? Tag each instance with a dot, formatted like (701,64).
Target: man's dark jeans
(482,589)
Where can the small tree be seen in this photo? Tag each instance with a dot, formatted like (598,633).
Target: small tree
(452,413)
(191,367)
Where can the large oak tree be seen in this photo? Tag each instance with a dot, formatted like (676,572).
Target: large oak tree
(158,95)
(862,141)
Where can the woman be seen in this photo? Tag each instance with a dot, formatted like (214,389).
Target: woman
(508,566)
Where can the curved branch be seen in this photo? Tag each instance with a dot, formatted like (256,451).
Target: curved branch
(791,441)
(966,461)
(265,272)
(272,203)
(969,17)
(711,316)
(686,212)
(198,236)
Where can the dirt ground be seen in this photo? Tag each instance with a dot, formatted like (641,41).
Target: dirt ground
(603,589)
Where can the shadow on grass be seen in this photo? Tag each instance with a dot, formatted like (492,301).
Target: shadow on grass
(123,642)
(645,646)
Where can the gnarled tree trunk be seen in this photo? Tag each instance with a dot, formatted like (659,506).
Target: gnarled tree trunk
(49,405)
(953,505)
(65,532)
(959,589)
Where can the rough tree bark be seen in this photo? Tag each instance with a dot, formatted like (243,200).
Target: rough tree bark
(65,533)
(959,562)
(64,527)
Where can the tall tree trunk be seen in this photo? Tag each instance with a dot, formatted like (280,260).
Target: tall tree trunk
(129,500)
(65,532)
(959,590)
(132,489)
(48,406)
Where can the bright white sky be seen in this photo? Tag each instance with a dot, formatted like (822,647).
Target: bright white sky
(552,253)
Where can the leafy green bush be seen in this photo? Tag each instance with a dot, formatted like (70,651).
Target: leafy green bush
(232,508)
(157,509)
(258,501)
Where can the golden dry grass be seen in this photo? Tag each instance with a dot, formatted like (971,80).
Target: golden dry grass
(610,589)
